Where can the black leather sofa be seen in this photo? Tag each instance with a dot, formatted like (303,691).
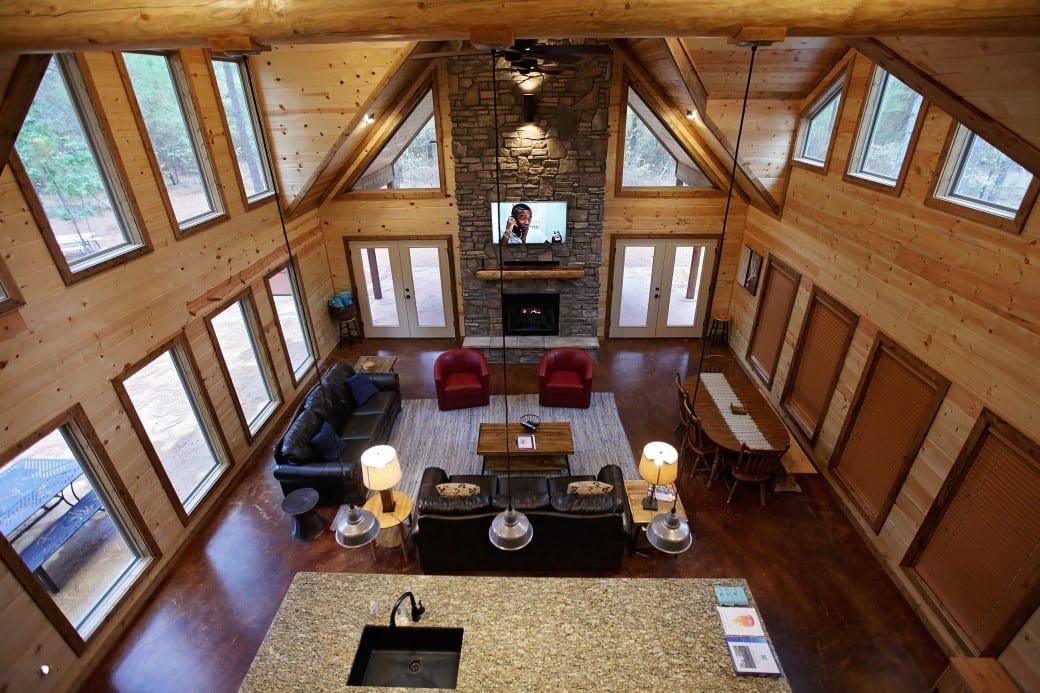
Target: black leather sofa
(298,464)
(571,532)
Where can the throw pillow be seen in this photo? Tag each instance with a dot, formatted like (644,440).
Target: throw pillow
(327,444)
(590,488)
(361,387)
(457,490)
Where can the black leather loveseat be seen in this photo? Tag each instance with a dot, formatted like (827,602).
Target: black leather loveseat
(571,532)
(300,462)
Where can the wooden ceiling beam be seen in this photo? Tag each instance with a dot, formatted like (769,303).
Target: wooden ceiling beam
(32,26)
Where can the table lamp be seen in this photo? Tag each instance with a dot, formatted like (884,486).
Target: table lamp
(658,466)
(380,471)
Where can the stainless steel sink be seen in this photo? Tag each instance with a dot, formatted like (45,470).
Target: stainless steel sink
(407,657)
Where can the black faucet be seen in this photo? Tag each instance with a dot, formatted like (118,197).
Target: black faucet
(417,611)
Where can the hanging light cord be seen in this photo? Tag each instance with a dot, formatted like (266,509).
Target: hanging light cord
(725,219)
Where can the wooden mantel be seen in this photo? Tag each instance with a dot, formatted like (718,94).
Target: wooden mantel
(517,273)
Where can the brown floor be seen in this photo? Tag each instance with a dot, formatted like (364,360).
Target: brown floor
(836,620)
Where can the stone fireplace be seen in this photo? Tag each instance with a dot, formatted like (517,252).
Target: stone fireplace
(561,158)
(531,314)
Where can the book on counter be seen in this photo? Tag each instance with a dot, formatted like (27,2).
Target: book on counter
(525,443)
(752,655)
(740,620)
(731,596)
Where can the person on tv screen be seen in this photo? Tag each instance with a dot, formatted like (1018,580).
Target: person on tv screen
(518,224)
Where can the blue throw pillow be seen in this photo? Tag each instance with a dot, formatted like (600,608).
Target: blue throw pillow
(327,444)
(361,387)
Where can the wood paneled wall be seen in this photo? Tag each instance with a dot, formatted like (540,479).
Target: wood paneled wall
(66,343)
(961,296)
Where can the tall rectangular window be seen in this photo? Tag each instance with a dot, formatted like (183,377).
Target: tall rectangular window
(822,345)
(891,115)
(70,532)
(172,418)
(816,130)
(245,128)
(891,412)
(80,201)
(235,331)
(774,311)
(977,554)
(285,291)
(175,133)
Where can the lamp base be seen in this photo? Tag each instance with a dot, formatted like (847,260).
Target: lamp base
(650,502)
(387,497)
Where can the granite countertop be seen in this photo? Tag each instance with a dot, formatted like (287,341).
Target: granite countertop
(521,633)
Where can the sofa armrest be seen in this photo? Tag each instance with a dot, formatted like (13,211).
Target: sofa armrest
(385,381)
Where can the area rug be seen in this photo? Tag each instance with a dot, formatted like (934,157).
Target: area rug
(424,436)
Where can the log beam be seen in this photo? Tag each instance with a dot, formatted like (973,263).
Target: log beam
(33,26)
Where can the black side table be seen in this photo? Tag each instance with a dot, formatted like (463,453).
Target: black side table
(306,523)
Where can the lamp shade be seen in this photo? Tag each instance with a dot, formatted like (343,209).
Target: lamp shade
(658,465)
(380,468)
(357,529)
(510,530)
(669,533)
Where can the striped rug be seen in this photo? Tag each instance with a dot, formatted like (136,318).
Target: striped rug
(425,436)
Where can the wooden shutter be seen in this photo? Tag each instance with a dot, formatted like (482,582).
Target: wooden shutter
(826,334)
(979,548)
(896,401)
(774,310)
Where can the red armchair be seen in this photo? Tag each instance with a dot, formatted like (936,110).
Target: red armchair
(462,379)
(565,378)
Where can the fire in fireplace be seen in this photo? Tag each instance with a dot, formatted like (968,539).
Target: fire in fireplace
(531,314)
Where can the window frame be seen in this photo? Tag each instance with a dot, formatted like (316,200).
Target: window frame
(83,94)
(299,298)
(867,127)
(259,131)
(205,412)
(620,190)
(11,298)
(836,89)
(193,123)
(263,354)
(946,176)
(101,472)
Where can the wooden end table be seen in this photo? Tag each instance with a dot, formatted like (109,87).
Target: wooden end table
(553,447)
(375,364)
(635,491)
(398,517)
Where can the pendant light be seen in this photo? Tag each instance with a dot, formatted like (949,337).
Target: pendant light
(510,530)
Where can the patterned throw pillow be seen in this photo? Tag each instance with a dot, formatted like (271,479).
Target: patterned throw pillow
(590,488)
(457,490)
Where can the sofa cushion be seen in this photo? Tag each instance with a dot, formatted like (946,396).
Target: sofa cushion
(296,444)
(361,387)
(363,426)
(327,445)
(590,488)
(457,490)
(528,493)
(382,403)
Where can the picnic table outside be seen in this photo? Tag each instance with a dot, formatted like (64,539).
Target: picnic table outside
(27,485)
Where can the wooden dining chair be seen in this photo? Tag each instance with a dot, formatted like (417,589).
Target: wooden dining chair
(717,363)
(697,443)
(755,467)
(684,407)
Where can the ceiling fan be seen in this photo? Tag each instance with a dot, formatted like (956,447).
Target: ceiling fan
(529,56)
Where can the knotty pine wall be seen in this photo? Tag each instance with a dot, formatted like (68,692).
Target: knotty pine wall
(66,344)
(961,296)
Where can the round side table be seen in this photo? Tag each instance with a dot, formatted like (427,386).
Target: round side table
(388,520)
(306,523)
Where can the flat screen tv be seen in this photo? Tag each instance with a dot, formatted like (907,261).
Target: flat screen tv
(548,222)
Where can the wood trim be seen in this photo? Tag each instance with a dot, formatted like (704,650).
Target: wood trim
(518,274)
(688,70)
(14,299)
(774,264)
(1012,145)
(294,272)
(844,73)
(17,100)
(987,421)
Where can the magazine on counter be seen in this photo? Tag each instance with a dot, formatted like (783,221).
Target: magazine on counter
(752,656)
(740,620)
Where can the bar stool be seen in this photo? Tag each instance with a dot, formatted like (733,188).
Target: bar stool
(349,325)
(719,329)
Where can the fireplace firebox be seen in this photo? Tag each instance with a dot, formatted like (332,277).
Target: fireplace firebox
(531,314)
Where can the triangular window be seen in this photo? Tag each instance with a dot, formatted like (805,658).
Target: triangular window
(409,159)
(652,156)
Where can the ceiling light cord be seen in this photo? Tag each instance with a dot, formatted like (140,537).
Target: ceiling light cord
(725,221)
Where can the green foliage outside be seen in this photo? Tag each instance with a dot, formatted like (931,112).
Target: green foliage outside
(893,126)
(647,162)
(417,166)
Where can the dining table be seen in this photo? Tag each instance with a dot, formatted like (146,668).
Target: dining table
(733,411)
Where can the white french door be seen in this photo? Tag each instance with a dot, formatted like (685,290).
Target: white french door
(403,287)
(660,287)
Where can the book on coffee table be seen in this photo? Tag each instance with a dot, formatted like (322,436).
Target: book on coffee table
(525,443)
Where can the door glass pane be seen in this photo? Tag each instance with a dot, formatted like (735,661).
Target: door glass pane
(685,286)
(290,319)
(243,363)
(637,268)
(172,423)
(379,280)
(426,286)
(63,532)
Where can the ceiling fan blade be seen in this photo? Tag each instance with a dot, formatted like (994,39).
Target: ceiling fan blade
(447,54)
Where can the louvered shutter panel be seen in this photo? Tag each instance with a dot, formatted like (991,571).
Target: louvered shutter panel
(983,555)
(820,357)
(771,323)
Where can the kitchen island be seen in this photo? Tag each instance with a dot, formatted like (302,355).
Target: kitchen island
(521,633)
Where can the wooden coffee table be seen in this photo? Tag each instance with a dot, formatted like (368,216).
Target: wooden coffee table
(636,491)
(553,446)
(375,364)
